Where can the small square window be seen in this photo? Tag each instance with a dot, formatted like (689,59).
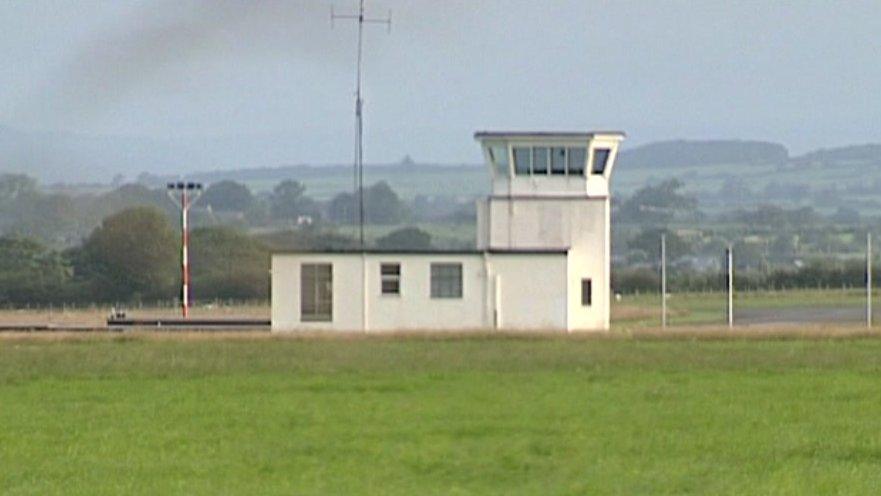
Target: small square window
(390,278)
(586,292)
(446,280)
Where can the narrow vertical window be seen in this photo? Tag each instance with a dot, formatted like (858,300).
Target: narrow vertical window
(316,292)
(446,280)
(600,158)
(540,160)
(390,278)
(586,292)
(558,160)
(522,160)
(575,159)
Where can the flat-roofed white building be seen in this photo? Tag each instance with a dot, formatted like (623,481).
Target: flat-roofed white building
(542,257)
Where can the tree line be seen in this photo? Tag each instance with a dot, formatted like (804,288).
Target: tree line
(817,273)
(134,255)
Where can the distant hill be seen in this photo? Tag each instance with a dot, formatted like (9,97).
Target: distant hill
(853,154)
(75,158)
(685,153)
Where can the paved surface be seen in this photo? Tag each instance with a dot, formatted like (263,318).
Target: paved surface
(802,315)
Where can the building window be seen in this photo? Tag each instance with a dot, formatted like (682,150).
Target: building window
(600,158)
(540,160)
(446,280)
(522,160)
(586,292)
(316,292)
(499,157)
(558,160)
(576,157)
(390,278)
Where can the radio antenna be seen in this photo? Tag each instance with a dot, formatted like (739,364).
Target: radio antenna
(359,107)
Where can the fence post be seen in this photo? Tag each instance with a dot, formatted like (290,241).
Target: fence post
(730,256)
(869,279)
(663,281)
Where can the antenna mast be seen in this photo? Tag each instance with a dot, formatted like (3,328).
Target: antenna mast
(359,106)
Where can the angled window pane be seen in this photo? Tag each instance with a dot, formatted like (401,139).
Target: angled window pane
(522,160)
(499,156)
(576,157)
(600,158)
(540,160)
(558,160)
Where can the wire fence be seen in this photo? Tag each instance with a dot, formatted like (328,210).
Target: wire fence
(832,291)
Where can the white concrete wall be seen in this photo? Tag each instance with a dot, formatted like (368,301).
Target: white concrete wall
(532,293)
(582,224)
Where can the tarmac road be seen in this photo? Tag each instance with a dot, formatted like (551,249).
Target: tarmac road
(802,315)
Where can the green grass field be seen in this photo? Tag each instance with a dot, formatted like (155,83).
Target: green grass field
(475,415)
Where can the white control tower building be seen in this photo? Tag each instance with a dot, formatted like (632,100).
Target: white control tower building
(541,263)
(551,190)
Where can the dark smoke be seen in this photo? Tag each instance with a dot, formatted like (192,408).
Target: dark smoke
(160,38)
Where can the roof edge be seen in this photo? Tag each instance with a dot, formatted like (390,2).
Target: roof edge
(491,251)
(548,134)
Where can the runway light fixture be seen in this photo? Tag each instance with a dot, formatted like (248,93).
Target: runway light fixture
(184,195)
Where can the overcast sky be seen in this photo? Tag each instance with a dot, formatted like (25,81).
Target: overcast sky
(804,73)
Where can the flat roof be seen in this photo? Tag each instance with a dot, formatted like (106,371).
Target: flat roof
(546,134)
(492,251)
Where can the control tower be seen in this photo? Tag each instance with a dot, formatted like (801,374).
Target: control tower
(551,191)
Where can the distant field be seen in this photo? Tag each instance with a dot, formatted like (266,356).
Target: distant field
(479,415)
(704,180)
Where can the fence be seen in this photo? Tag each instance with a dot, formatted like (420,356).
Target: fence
(842,292)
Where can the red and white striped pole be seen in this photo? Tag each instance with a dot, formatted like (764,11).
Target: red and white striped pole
(189,193)
(184,251)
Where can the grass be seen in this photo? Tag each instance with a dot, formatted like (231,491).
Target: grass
(96,316)
(159,414)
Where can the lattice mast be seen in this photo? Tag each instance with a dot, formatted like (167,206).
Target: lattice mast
(358,169)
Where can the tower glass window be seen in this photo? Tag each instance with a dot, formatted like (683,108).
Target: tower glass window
(540,160)
(316,292)
(446,280)
(499,156)
(558,160)
(600,159)
(575,160)
(522,160)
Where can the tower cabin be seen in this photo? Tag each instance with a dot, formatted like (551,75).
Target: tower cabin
(541,261)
